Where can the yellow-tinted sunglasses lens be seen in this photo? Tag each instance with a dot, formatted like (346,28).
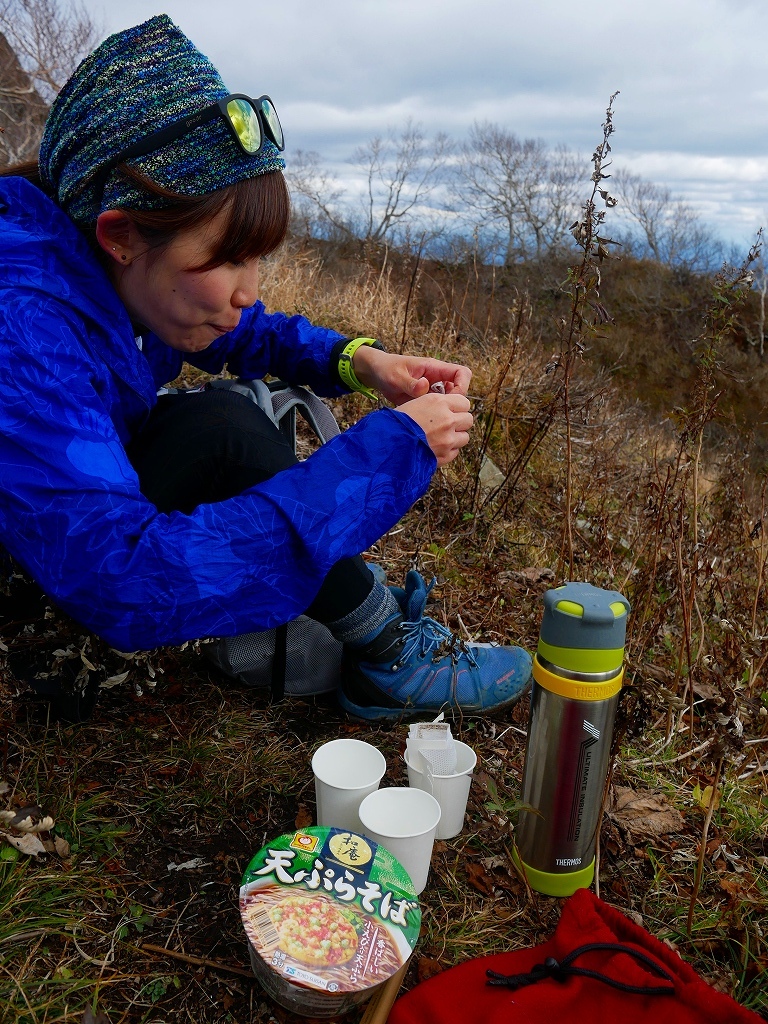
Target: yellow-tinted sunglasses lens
(272,121)
(245,121)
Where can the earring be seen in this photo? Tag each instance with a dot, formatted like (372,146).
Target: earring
(114,248)
(123,257)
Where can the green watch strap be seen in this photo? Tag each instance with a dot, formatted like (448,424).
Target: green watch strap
(346,371)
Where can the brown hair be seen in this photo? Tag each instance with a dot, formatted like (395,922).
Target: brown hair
(28,169)
(257,212)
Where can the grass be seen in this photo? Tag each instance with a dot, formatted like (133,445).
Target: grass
(75,927)
(179,765)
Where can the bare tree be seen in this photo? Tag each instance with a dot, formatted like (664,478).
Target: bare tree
(398,175)
(49,37)
(401,172)
(519,188)
(22,110)
(41,43)
(670,231)
(316,197)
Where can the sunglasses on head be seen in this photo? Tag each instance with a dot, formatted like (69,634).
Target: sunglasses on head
(251,122)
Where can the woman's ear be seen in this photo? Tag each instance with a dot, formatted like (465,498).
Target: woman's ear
(118,237)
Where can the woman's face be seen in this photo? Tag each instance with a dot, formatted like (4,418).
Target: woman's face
(186,309)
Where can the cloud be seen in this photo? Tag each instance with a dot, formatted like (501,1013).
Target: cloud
(691,74)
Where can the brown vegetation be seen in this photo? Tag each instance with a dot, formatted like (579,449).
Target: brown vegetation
(178,764)
(630,452)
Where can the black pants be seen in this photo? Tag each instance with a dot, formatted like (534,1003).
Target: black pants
(211,445)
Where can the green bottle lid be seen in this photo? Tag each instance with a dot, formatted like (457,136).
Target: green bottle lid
(583,628)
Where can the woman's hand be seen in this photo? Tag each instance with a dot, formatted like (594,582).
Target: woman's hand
(400,378)
(445,419)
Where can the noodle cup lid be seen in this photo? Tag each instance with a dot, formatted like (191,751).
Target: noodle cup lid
(329,909)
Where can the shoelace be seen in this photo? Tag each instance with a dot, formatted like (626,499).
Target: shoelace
(429,636)
(561,970)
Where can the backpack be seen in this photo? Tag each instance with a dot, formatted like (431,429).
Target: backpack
(301,657)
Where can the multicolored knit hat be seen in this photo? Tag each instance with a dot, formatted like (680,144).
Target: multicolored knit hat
(135,83)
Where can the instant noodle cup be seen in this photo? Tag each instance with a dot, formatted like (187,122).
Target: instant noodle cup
(329,916)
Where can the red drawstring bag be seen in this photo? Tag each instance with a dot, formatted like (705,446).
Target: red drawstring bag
(597,967)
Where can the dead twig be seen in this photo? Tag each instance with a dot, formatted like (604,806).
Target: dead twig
(703,849)
(199,961)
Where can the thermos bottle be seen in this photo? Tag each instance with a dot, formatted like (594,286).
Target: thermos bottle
(577,675)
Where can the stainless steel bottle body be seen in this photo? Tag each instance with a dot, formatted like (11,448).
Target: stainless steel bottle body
(566,763)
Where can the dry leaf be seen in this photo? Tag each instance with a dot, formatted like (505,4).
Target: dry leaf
(28,819)
(62,847)
(303,817)
(189,865)
(535,575)
(114,680)
(28,844)
(646,812)
(490,863)
(428,968)
(90,1018)
(703,797)
(733,886)
(479,878)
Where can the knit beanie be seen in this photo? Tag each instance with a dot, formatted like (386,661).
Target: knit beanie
(133,84)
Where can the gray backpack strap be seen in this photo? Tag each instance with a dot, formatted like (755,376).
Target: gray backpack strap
(255,390)
(314,410)
(279,400)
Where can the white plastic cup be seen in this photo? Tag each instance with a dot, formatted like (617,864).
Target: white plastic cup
(450,791)
(403,821)
(345,771)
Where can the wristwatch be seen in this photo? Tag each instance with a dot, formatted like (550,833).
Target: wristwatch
(346,371)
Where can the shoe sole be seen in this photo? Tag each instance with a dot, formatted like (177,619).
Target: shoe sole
(379,714)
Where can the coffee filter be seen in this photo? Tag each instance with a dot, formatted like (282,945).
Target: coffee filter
(430,747)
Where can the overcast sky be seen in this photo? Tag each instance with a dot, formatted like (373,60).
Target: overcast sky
(693,77)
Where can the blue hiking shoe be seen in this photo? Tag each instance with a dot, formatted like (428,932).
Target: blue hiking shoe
(416,665)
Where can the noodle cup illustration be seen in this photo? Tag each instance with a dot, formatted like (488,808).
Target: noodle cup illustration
(329,916)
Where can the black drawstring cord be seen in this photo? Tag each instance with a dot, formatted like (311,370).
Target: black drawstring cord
(560,970)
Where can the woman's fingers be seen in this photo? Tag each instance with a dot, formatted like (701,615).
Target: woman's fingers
(445,420)
(401,378)
(460,380)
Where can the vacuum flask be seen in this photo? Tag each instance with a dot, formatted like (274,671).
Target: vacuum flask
(577,676)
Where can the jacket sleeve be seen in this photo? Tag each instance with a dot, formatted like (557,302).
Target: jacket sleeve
(72,514)
(291,348)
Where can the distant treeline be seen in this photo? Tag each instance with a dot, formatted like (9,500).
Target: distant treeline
(502,199)
(507,200)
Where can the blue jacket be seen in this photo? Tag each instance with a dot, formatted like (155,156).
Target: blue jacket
(74,389)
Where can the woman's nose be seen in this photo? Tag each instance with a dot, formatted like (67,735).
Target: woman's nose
(246,290)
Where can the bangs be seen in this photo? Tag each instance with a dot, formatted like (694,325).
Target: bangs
(258,214)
